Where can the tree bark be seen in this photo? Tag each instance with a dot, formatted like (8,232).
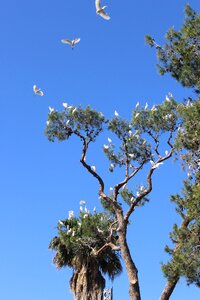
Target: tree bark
(169,288)
(87,283)
(171,283)
(132,272)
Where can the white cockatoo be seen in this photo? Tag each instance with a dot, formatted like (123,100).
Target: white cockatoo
(100,10)
(37,91)
(153,108)
(137,105)
(71,214)
(111,168)
(155,165)
(116,114)
(136,115)
(61,223)
(51,109)
(73,111)
(93,168)
(64,104)
(82,202)
(72,43)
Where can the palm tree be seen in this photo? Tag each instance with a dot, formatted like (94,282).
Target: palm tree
(77,246)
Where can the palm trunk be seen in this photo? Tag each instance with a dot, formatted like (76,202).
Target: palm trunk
(87,284)
(132,272)
(168,290)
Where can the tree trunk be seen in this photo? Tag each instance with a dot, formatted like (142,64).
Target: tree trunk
(132,272)
(87,283)
(169,288)
(171,284)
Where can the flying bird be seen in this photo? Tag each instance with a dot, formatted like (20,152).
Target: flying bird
(37,91)
(71,42)
(100,10)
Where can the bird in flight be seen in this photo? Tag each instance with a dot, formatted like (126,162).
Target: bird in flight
(37,91)
(71,42)
(100,10)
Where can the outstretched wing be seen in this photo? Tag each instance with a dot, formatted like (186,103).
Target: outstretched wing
(97,4)
(66,41)
(104,15)
(76,40)
(38,91)
(35,89)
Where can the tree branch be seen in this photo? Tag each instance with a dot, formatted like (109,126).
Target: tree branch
(125,181)
(171,283)
(149,187)
(97,176)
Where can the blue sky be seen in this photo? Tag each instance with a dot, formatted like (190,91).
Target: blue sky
(111,68)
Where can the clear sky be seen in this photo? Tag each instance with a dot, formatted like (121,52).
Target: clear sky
(111,68)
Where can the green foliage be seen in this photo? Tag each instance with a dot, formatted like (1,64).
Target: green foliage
(157,120)
(132,148)
(78,240)
(180,56)
(189,133)
(86,123)
(129,196)
(185,257)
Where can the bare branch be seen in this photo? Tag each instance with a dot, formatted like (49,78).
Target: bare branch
(125,181)
(149,186)
(97,176)
(169,139)
(107,245)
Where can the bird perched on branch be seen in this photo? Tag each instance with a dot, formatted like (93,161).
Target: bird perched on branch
(71,42)
(100,10)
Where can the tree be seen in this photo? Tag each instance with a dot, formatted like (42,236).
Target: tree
(139,148)
(81,244)
(180,56)
(185,256)
(140,141)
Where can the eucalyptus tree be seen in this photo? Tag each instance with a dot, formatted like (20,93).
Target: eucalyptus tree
(138,149)
(80,245)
